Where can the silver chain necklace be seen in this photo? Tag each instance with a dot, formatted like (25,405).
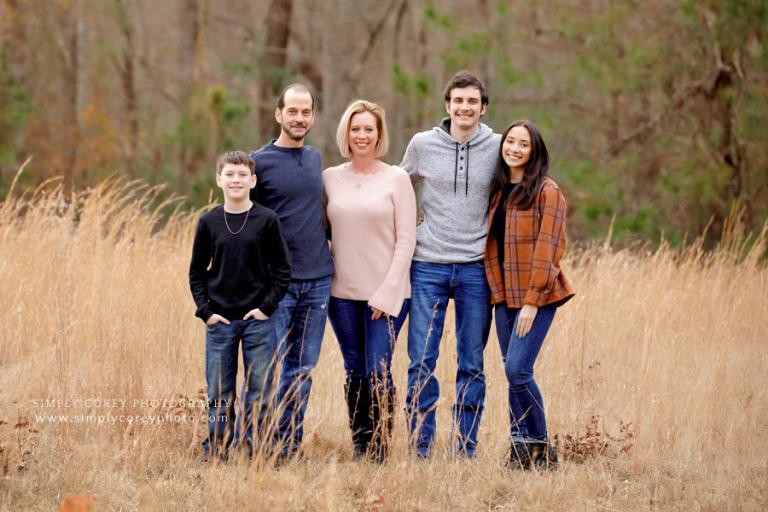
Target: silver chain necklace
(358,177)
(241,227)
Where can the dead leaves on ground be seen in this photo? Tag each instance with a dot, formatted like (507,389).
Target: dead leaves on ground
(595,442)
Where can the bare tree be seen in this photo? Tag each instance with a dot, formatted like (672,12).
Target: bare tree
(126,67)
(275,59)
(72,47)
(193,59)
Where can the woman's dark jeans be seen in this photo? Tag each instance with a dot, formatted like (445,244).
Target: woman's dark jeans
(526,407)
(366,345)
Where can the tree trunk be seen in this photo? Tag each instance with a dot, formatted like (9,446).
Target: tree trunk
(275,57)
(192,56)
(73,53)
(127,71)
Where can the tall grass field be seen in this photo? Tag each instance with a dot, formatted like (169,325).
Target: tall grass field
(655,380)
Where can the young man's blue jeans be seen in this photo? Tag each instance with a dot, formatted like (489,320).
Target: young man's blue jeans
(366,345)
(299,328)
(222,343)
(526,407)
(432,284)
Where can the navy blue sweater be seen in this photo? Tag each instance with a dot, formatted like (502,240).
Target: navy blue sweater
(291,185)
(233,274)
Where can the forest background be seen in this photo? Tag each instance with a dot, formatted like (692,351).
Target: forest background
(655,112)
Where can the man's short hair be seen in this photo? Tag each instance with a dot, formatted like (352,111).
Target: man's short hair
(235,158)
(299,88)
(465,79)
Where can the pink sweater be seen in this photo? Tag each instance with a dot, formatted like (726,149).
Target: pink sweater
(373,225)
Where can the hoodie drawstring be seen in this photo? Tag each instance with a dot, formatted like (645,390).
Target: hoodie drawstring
(466,174)
(455,166)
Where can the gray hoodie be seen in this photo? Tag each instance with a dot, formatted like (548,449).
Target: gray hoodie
(455,183)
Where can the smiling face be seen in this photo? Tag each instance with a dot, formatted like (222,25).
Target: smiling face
(296,116)
(363,134)
(236,182)
(465,107)
(516,149)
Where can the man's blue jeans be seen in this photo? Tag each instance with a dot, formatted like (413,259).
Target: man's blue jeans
(526,407)
(221,350)
(432,284)
(299,328)
(366,345)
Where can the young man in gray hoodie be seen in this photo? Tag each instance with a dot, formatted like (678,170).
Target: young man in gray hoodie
(453,165)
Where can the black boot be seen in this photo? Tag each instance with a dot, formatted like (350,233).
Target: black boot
(544,456)
(519,455)
(382,414)
(358,407)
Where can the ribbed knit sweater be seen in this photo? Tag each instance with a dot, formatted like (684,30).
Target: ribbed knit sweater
(373,235)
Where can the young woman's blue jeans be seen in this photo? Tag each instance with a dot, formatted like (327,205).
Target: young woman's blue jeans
(432,284)
(222,343)
(526,407)
(366,345)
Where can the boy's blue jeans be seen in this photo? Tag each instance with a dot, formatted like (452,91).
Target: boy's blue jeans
(366,345)
(432,284)
(526,407)
(221,350)
(299,329)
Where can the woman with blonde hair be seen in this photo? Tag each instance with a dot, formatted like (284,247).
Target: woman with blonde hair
(371,209)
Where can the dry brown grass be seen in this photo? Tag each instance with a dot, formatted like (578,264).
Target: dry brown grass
(654,378)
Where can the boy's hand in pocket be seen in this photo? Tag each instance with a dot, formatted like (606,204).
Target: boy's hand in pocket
(215,319)
(255,314)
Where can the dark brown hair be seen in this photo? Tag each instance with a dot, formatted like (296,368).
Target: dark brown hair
(465,79)
(235,158)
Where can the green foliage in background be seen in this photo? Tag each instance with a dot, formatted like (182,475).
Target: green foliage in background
(655,112)
(213,118)
(15,108)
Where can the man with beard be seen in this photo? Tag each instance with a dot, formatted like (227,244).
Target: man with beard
(290,184)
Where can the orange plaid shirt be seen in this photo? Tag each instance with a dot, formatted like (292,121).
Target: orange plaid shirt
(534,242)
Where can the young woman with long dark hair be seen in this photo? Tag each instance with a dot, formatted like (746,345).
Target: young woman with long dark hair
(526,239)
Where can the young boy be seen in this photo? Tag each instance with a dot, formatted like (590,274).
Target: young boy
(239,272)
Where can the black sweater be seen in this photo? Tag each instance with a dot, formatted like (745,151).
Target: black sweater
(499,222)
(233,274)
